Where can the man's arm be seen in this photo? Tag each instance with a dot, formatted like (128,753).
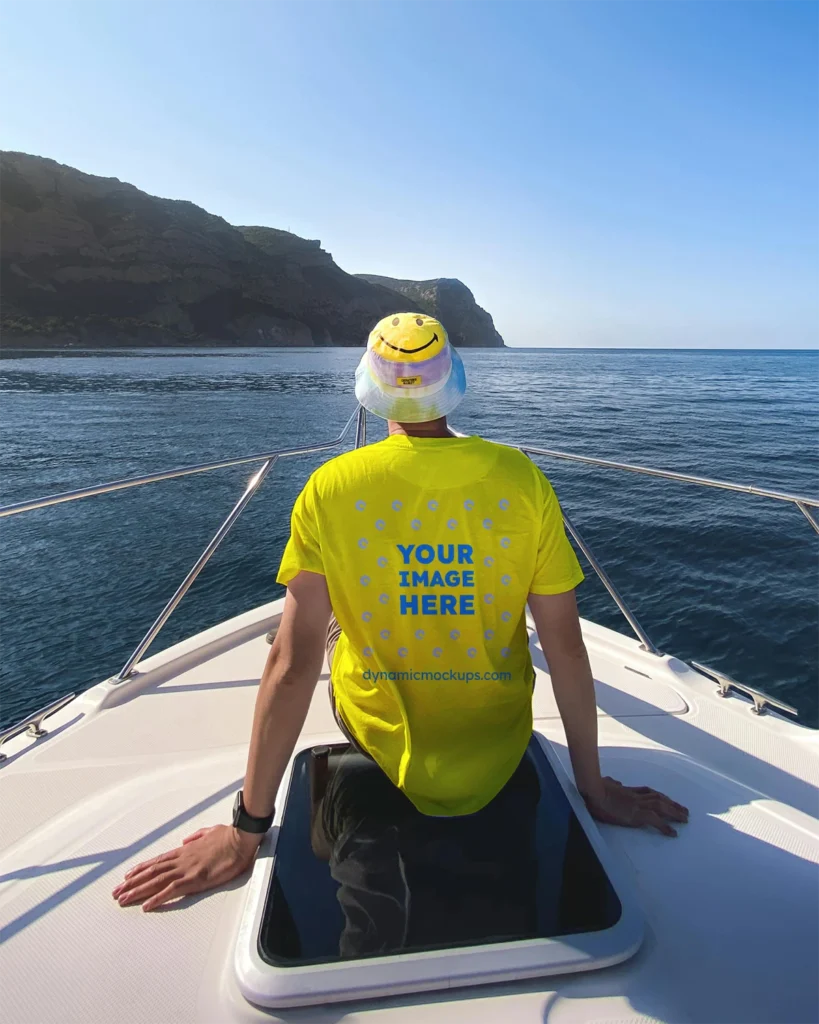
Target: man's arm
(558,628)
(214,856)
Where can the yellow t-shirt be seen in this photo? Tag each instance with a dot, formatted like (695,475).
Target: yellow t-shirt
(430,547)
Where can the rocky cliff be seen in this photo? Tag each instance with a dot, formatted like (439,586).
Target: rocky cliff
(95,261)
(452,303)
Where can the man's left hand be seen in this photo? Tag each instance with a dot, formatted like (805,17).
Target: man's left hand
(635,807)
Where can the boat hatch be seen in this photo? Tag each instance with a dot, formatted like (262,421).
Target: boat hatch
(364,896)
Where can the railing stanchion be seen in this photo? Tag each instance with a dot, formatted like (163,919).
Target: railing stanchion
(252,486)
(613,591)
(361,427)
(806,512)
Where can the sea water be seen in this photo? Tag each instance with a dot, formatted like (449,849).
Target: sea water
(727,579)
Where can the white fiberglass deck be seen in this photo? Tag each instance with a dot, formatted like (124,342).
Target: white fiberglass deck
(731,906)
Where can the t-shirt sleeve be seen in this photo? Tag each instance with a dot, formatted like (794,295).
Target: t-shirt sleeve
(303,550)
(556,569)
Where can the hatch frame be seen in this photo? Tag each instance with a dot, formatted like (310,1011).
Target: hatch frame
(277,987)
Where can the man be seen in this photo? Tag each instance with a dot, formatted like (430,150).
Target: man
(426,548)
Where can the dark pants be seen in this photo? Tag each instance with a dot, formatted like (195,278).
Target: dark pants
(410,881)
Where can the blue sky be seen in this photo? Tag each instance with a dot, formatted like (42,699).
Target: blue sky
(609,173)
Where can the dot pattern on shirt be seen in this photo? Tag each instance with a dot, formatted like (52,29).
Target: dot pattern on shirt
(479,520)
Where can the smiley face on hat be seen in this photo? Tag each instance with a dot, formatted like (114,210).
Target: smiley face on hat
(407,338)
(409,373)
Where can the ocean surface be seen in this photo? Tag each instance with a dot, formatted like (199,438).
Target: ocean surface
(727,579)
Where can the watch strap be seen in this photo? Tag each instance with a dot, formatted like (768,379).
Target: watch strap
(246,822)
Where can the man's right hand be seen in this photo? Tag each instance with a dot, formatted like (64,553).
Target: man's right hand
(209,858)
(215,856)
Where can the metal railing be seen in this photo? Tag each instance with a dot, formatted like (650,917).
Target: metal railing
(269,460)
(253,485)
(172,474)
(200,563)
(801,502)
(628,614)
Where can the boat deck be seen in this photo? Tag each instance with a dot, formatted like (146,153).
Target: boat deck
(128,770)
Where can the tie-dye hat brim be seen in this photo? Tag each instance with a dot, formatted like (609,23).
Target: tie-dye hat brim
(410,373)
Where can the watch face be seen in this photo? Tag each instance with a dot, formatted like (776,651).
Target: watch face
(237,806)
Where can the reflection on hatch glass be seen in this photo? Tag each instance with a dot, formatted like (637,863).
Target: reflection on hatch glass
(360,872)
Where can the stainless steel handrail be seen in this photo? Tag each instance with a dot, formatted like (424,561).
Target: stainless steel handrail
(269,460)
(171,474)
(804,504)
(33,724)
(665,474)
(629,615)
(361,427)
(806,512)
(117,485)
(253,485)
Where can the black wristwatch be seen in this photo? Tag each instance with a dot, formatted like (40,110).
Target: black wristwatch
(246,822)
